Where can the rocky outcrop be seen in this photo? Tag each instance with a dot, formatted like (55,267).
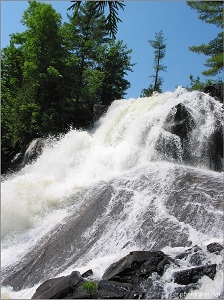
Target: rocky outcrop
(176,144)
(137,265)
(214,247)
(138,275)
(33,150)
(194,274)
(215,90)
(99,110)
(59,288)
(180,121)
(27,155)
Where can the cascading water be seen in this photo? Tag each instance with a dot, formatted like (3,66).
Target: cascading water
(148,176)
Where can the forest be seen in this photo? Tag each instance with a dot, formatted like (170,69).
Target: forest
(53,73)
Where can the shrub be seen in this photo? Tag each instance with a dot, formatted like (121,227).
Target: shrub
(90,287)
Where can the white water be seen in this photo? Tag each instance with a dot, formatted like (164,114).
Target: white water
(123,142)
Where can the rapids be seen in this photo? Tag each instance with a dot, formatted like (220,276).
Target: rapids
(127,184)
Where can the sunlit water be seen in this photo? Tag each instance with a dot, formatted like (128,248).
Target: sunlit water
(122,151)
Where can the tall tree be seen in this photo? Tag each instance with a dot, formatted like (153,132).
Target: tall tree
(87,36)
(112,18)
(160,50)
(115,64)
(211,12)
(43,66)
(102,62)
(31,78)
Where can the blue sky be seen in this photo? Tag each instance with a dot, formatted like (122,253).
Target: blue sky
(140,21)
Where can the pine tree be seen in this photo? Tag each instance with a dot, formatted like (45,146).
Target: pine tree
(211,12)
(160,50)
(112,18)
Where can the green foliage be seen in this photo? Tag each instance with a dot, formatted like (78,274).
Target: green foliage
(53,73)
(147,92)
(211,12)
(116,61)
(196,84)
(99,6)
(90,287)
(160,50)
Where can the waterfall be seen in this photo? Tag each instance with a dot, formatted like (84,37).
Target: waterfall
(147,176)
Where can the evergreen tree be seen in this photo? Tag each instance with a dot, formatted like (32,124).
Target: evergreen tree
(211,12)
(52,74)
(87,35)
(196,84)
(43,66)
(160,50)
(102,62)
(116,62)
(112,18)
(31,79)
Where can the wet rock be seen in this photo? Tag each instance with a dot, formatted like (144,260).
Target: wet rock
(181,292)
(135,295)
(193,275)
(135,264)
(168,146)
(180,121)
(78,293)
(215,148)
(197,259)
(55,288)
(33,149)
(99,110)
(153,287)
(58,288)
(17,158)
(87,273)
(215,90)
(138,275)
(113,290)
(214,247)
(187,252)
(74,279)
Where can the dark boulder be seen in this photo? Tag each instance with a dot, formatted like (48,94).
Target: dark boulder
(87,273)
(55,288)
(58,288)
(193,275)
(33,150)
(113,290)
(215,90)
(180,121)
(215,147)
(188,252)
(134,265)
(74,279)
(195,256)
(214,247)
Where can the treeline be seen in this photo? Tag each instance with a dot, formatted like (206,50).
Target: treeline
(53,74)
